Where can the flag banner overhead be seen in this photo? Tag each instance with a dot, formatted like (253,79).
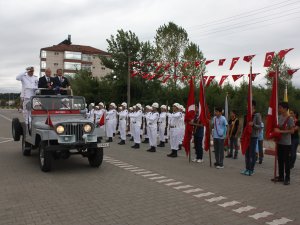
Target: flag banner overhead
(233,62)
(248,58)
(221,62)
(189,117)
(268,59)
(237,76)
(210,79)
(283,52)
(223,78)
(204,115)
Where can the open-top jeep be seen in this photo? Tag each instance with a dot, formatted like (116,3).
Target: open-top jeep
(58,128)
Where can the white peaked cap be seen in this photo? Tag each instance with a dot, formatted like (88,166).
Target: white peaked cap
(113,105)
(101,104)
(139,106)
(124,104)
(163,107)
(177,105)
(155,105)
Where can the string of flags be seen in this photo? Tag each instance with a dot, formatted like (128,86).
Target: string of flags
(180,70)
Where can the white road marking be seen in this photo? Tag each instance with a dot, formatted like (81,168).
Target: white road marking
(133,169)
(150,175)
(143,172)
(174,183)
(215,199)
(193,190)
(164,181)
(204,194)
(157,178)
(5,141)
(227,204)
(280,221)
(9,119)
(243,209)
(260,215)
(126,166)
(183,187)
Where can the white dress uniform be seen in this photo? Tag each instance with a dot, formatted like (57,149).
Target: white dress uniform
(152,119)
(110,122)
(182,128)
(146,125)
(29,85)
(175,126)
(162,126)
(122,123)
(137,122)
(91,115)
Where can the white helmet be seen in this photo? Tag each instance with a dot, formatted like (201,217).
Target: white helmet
(155,105)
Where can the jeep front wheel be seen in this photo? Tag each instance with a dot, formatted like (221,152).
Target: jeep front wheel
(95,156)
(45,157)
(26,147)
(16,129)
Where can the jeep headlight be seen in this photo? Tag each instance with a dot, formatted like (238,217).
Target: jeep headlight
(60,129)
(87,128)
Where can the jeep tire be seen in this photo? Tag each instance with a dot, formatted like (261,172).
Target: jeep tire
(26,147)
(95,156)
(16,129)
(45,157)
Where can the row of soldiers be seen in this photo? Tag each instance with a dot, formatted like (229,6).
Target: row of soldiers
(152,123)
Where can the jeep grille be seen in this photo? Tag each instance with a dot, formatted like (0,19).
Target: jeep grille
(75,129)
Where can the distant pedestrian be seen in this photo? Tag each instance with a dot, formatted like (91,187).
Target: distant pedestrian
(295,138)
(232,135)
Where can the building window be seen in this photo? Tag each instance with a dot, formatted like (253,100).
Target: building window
(70,74)
(55,64)
(86,67)
(56,53)
(86,58)
(43,54)
(72,66)
(102,68)
(43,64)
(73,55)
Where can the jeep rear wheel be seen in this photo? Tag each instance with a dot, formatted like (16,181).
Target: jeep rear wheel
(26,147)
(45,157)
(95,156)
(16,129)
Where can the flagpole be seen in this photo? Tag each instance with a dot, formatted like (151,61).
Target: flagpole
(276,115)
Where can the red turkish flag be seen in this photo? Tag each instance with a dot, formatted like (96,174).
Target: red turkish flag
(233,62)
(236,77)
(189,117)
(165,79)
(145,75)
(134,73)
(223,78)
(221,62)
(209,80)
(183,78)
(282,53)
(159,76)
(185,64)
(272,117)
(269,58)
(197,63)
(248,58)
(151,77)
(292,71)
(204,115)
(101,121)
(204,79)
(246,135)
(253,76)
(49,121)
(271,73)
(159,67)
(176,64)
(167,67)
(209,61)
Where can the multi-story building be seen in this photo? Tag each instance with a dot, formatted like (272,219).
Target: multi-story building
(72,58)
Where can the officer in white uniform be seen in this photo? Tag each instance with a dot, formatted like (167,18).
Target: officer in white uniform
(29,85)
(175,118)
(162,125)
(137,122)
(122,123)
(111,121)
(152,120)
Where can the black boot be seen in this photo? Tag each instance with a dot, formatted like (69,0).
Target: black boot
(166,141)
(161,144)
(122,142)
(173,154)
(136,146)
(170,155)
(228,156)
(152,149)
(109,139)
(179,147)
(146,140)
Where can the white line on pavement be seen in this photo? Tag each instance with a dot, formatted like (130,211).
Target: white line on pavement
(279,221)
(260,215)
(5,141)
(193,190)
(150,175)
(227,204)
(183,187)
(156,178)
(174,183)
(243,209)
(215,199)
(165,181)
(143,172)
(204,194)
(9,119)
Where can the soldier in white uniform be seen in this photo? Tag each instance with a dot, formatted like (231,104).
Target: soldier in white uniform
(162,125)
(111,121)
(122,123)
(29,85)
(175,118)
(152,120)
(182,126)
(137,122)
(145,127)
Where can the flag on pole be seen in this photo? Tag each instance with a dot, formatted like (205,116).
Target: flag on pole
(226,142)
(204,115)
(285,96)
(246,135)
(101,120)
(189,116)
(49,121)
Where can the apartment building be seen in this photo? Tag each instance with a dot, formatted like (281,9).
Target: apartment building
(72,58)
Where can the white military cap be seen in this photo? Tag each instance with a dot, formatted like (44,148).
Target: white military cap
(138,105)
(155,105)
(113,105)
(177,105)
(101,104)
(97,107)
(163,107)
(133,107)
(30,68)
(150,108)
(120,108)
(130,108)
(65,100)
(124,104)
(92,104)
(147,106)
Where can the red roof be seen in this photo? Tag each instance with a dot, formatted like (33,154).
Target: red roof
(75,48)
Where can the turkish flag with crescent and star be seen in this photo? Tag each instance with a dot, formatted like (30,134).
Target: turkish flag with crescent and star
(269,58)
(221,62)
(236,77)
(209,61)
(248,58)
(223,78)
(292,71)
(209,80)
(283,52)
(233,62)
(189,117)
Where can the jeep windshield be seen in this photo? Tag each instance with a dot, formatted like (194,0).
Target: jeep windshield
(58,102)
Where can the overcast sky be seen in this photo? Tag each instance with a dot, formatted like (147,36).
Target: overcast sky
(222,29)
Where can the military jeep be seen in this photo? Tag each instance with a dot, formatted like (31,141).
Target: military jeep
(58,128)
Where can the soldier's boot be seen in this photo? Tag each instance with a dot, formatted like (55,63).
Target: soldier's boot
(131,139)
(161,144)
(179,146)
(166,141)
(146,140)
(172,153)
(122,142)
(235,154)
(136,146)
(152,149)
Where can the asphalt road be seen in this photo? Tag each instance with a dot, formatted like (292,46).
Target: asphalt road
(137,187)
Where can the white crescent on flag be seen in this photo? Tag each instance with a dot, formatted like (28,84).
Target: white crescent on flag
(191,108)
(270,111)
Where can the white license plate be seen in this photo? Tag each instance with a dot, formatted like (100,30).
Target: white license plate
(102,145)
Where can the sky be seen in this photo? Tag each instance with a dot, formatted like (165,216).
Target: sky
(221,29)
